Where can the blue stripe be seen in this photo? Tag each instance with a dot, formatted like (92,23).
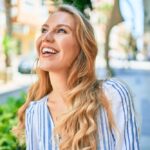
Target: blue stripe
(46,128)
(128,113)
(132,120)
(134,127)
(113,137)
(136,135)
(42,127)
(32,130)
(27,123)
(42,116)
(50,125)
(30,127)
(131,116)
(102,127)
(122,100)
(49,133)
(39,122)
(44,141)
(107,128)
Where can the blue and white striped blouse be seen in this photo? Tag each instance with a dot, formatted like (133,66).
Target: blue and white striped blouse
(39,124)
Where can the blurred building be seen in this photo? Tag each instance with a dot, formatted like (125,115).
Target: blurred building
(22,20)
(26,18)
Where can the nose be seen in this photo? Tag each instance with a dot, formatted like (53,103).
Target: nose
(48,37)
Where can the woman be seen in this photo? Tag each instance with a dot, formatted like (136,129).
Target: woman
(68,108)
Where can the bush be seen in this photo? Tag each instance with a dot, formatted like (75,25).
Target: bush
(8,119)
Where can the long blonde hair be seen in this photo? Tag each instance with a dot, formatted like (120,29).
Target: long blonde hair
(79,124)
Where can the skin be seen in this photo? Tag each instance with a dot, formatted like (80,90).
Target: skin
(58,32)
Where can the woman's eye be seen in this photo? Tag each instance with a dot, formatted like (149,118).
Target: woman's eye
(61,31)
(43,30)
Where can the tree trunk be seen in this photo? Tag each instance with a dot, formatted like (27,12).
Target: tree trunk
(146,15)
(114,19)
(7,4)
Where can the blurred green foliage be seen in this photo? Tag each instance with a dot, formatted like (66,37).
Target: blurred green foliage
(9,44)
(80,4)
(105,10)
(8,119)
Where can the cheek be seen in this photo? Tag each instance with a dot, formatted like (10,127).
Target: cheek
(69,44)
(74,48)
(71,51)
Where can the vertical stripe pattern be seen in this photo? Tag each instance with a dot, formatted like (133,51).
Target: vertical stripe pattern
(39,124)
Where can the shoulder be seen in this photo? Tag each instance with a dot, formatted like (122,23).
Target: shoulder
(119,96)
(33,105)
(115,84)
(34,111)
(116,88)
(35,121)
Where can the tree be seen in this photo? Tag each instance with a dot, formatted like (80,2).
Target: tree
(80,4)
(114,19)
(8,33)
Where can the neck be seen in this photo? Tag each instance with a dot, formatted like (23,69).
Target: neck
(59,84)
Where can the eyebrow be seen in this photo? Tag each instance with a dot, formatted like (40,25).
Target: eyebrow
(59,25)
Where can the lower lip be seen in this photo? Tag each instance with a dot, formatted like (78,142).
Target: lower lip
(48,55)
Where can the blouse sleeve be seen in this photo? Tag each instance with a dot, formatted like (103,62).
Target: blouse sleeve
(124,115)
(30,127)
(29,115)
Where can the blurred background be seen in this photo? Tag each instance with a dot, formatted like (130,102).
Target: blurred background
(122,30)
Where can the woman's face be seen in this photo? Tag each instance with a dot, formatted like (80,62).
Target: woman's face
(57,45)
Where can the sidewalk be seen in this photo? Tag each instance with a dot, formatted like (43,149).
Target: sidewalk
(20,83)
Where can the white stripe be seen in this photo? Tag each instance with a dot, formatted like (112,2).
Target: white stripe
(40,125)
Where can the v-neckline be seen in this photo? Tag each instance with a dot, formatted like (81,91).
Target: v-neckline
(49,113)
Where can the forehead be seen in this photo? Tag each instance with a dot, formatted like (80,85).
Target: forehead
(61,17)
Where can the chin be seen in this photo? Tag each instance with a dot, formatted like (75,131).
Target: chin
(45,68)
(49,68)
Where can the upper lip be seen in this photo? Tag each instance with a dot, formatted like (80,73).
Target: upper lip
(45,46)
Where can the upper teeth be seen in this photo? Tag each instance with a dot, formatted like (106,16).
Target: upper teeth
(44,50)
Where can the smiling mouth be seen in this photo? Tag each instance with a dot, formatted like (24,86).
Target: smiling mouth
(48,51)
